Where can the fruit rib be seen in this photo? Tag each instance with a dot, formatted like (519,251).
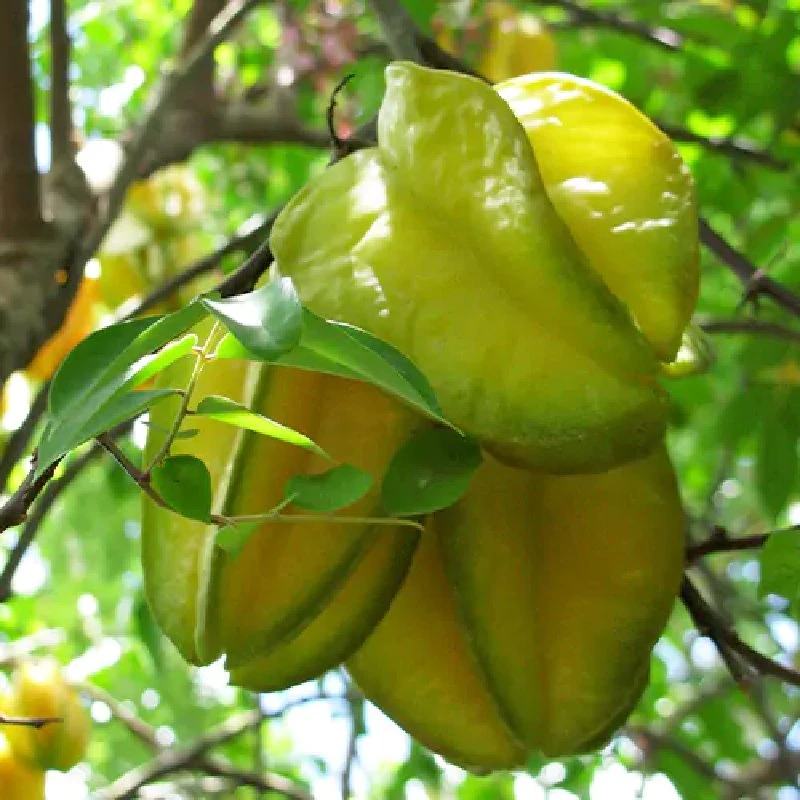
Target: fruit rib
(288,571)
(172,545)
(371,242)
(587,562)
(343,624)
(417,667)
(622,189)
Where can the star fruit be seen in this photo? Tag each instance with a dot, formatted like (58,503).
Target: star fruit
(445,241)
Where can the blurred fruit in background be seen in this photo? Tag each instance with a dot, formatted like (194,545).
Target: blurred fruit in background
(18,781)
(518,43)
(78,323)
(38,689)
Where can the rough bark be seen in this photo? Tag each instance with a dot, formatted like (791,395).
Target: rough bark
(20,216)
(26,245)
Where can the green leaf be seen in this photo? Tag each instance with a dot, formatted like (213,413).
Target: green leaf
(94,382)
(336,348)
(348,351)
(404,366)
(59,438)
(184,483)
(432,470)
(780,566)
(776,462)
(148,632)
(225,410)
(331,490)
(88,362)
(233,538)
(267,321)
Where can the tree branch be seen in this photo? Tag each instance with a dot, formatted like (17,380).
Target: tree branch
(750,326)
(724,544)
(725,146)
(60,113)
(398,29)
(39,512)
(660,36)
(728,643)
(755,282)
(20,208)
(15,510)
(194,756)
(219,30)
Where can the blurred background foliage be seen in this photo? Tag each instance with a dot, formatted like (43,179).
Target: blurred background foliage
(723,77)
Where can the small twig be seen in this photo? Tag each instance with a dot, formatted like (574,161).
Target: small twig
(729,645)
(720,542)
(725,146)
(245,277)
(650,741)
(341,147)
(141,479)
(138,727)
(39,512)
(245,241)
(19,440)
(15,510)
(750,326)
(658,35)
(355,705)
(12,652)
(194,756)
(755,282)
(29,722)
(266,782)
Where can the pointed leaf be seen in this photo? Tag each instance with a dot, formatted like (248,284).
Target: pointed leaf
(95,377)
(267,321)
(184,483)
(331,490)
(58,439)
(780,566)
(362,355)
(432,470)
(225,410)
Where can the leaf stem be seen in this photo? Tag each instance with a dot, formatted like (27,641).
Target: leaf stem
(271,516)
(200,361)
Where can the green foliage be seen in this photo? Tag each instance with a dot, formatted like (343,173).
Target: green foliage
(726,86)
(432,470)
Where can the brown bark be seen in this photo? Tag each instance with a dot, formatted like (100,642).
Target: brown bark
(199,91)
(20,215)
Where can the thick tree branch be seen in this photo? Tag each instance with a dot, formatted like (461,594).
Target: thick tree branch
(247,122)
(198,91)
(398,29)
(20,209)
(756,283)
(60,113)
